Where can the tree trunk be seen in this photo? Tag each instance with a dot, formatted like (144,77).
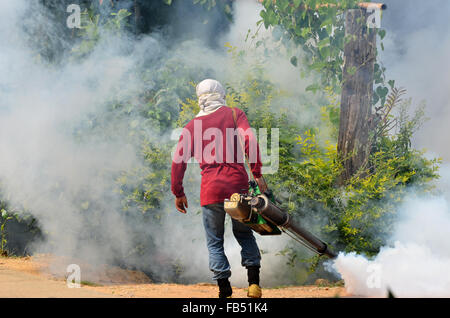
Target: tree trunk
(356,99)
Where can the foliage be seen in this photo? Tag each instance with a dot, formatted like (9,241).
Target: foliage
(5,217)
(92,25)
(225,6)
(209,4)
(22,220)
(317,26)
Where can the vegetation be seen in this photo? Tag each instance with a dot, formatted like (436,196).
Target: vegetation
(317,26)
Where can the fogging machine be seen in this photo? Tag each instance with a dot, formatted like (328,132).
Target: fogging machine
(258,211)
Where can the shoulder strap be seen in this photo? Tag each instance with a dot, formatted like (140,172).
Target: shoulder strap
(234,117)
(241,143)
(243,147)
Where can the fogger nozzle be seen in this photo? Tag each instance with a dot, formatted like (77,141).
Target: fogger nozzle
(282,219)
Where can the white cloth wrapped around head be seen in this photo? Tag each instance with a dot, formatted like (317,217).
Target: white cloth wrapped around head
(211,96)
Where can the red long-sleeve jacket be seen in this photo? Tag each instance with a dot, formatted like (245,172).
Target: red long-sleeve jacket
(213,142)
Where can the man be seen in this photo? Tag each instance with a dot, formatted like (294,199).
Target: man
(220,179)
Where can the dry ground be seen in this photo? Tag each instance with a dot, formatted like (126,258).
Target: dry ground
(30,277)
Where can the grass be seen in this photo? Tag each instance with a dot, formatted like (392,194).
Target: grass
(8,255)
(88,283)
(328,284)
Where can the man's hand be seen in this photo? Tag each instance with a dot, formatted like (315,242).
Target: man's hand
(181,204)
(261,184)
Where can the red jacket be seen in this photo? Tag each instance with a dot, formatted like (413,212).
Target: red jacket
(222,173)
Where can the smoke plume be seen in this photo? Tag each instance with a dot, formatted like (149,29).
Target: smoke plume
(417,46)
(416,261)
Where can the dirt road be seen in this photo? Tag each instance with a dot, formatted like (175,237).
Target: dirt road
(29,277)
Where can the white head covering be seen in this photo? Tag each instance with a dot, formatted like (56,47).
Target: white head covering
(211,96)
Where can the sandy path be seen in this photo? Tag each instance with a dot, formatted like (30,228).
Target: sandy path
(211,291)
(26,277)
(17,284)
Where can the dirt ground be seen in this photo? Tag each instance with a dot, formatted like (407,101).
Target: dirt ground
(36,277)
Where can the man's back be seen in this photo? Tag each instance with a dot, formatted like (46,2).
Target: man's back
(213,142)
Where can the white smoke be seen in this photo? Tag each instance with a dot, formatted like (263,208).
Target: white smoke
(415,264)
(417,46)
(44,168)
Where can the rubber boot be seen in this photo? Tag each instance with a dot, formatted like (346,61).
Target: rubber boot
(254,291)
(225,290)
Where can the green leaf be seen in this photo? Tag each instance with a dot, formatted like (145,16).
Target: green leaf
(325,52)
(283,4)
(376,98)
(323,43)
(313,88)
(382,91)
(391,83)
(327,22)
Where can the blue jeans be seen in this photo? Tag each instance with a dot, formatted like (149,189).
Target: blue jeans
(214,223)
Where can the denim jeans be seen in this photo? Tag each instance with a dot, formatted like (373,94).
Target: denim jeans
(214,223)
